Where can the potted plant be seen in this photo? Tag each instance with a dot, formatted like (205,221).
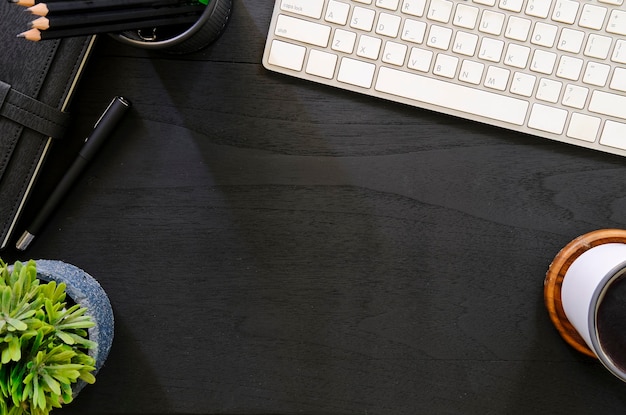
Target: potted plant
(50,343)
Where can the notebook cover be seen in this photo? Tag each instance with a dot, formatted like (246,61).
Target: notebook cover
(37,80)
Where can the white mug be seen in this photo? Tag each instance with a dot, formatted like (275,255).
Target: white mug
(588,289)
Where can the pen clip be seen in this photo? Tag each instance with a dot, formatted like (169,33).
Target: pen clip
(104,113)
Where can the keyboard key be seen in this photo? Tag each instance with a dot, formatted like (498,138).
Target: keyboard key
(321,64)
(465,16)
(354,72)
(592,16)
(287,55)
(569,68)
(387,4)
(497,78)
(511,5)
(491,23)
(583,127)
(518,28)
(575,96)
(471,72)
(445,65)
(414,7)
(549,90)
(394,53)
(523,84)
(544,34)
(439,37)
(465,43)
(344,41)
(420,59)
(337,12)
(491,49)
(614,135)
(414,31)
(608,104)
(571,40)
(517,55)
(596,74)
(538,8)
(549,119)
(619,51)
(388,25)
(362,18)
(619,80)
(447,95)
(543,62)
(440,10)
(309,8)
(598,46)
(302,30)
(369,47)
(617,22)
(565,11)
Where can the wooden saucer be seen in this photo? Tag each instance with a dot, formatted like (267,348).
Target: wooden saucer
(554,281)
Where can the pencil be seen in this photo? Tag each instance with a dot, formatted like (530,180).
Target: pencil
(37,35)
(108,16)
(76,6)
(27,3)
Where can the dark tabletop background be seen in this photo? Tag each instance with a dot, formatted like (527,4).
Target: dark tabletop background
(271,245)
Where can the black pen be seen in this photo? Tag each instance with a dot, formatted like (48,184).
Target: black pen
(101,130)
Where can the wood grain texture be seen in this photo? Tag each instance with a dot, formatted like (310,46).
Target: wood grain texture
(274,246)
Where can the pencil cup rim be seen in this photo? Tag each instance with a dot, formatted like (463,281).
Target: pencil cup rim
(203,32)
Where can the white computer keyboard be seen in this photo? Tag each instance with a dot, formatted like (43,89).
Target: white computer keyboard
(551,68)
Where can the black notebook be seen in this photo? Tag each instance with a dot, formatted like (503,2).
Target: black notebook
(37,81)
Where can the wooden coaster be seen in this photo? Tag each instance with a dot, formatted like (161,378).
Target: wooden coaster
(554,281)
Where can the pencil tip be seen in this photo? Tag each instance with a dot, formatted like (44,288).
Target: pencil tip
(32,34)
(39,9)
(41,23)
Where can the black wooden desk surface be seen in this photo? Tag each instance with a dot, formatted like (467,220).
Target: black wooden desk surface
(275,246)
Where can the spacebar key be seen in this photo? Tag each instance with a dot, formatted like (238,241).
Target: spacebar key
(447,95)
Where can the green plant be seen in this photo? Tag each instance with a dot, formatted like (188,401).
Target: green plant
(43,343)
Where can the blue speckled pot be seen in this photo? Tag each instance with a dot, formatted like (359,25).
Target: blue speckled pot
(86,291)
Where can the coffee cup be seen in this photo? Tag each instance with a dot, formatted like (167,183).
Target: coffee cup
(585,294)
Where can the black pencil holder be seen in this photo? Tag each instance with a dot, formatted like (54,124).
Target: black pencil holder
(177,40)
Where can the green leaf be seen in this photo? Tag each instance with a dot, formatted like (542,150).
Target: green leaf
(67,339)
(5,304)
(39,398)
(83,342)
(15,351)
(16,324)
(66,393)
(4,385)
(6,356)
(54,386)
(17,292)
(37,342)
(61,353)
(88,377)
